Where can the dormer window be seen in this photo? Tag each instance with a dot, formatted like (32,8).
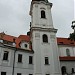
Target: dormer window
(43,15)
(25,45)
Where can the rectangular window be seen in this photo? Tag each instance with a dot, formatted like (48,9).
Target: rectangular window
(5,56)
(30,59)
(19,74)
(30,74)
(3,73)
(20,58)
(47,74)
(46,60)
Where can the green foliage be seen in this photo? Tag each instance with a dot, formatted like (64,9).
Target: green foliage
(72,36)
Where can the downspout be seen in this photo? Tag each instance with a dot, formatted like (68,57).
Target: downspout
(14,58)
(13,62)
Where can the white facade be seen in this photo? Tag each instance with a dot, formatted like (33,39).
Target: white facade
(25,68)
(69,64)
(62,50)
(19,67)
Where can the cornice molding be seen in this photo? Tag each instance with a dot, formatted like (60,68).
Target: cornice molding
(43,29)
(39,2)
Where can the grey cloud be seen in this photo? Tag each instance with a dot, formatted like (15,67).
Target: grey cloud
(15,19)
(63,14)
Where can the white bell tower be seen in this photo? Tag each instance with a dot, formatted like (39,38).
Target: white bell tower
(41,14)
(43,37)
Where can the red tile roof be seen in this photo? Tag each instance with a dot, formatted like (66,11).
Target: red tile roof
(65,41)
(24,37)
(69,58)
(60,41)
(8,38)
(17,39)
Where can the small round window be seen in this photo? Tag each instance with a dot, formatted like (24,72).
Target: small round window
(25,45)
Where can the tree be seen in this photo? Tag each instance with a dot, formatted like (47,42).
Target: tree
(72,35)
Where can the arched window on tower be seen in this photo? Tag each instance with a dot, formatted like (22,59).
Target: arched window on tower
(45,38)
(63,69)
(67,52)
(43,14)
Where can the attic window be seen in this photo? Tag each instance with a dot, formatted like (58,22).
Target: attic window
(26,45)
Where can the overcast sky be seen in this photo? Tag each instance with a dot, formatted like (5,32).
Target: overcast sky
(15,18)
